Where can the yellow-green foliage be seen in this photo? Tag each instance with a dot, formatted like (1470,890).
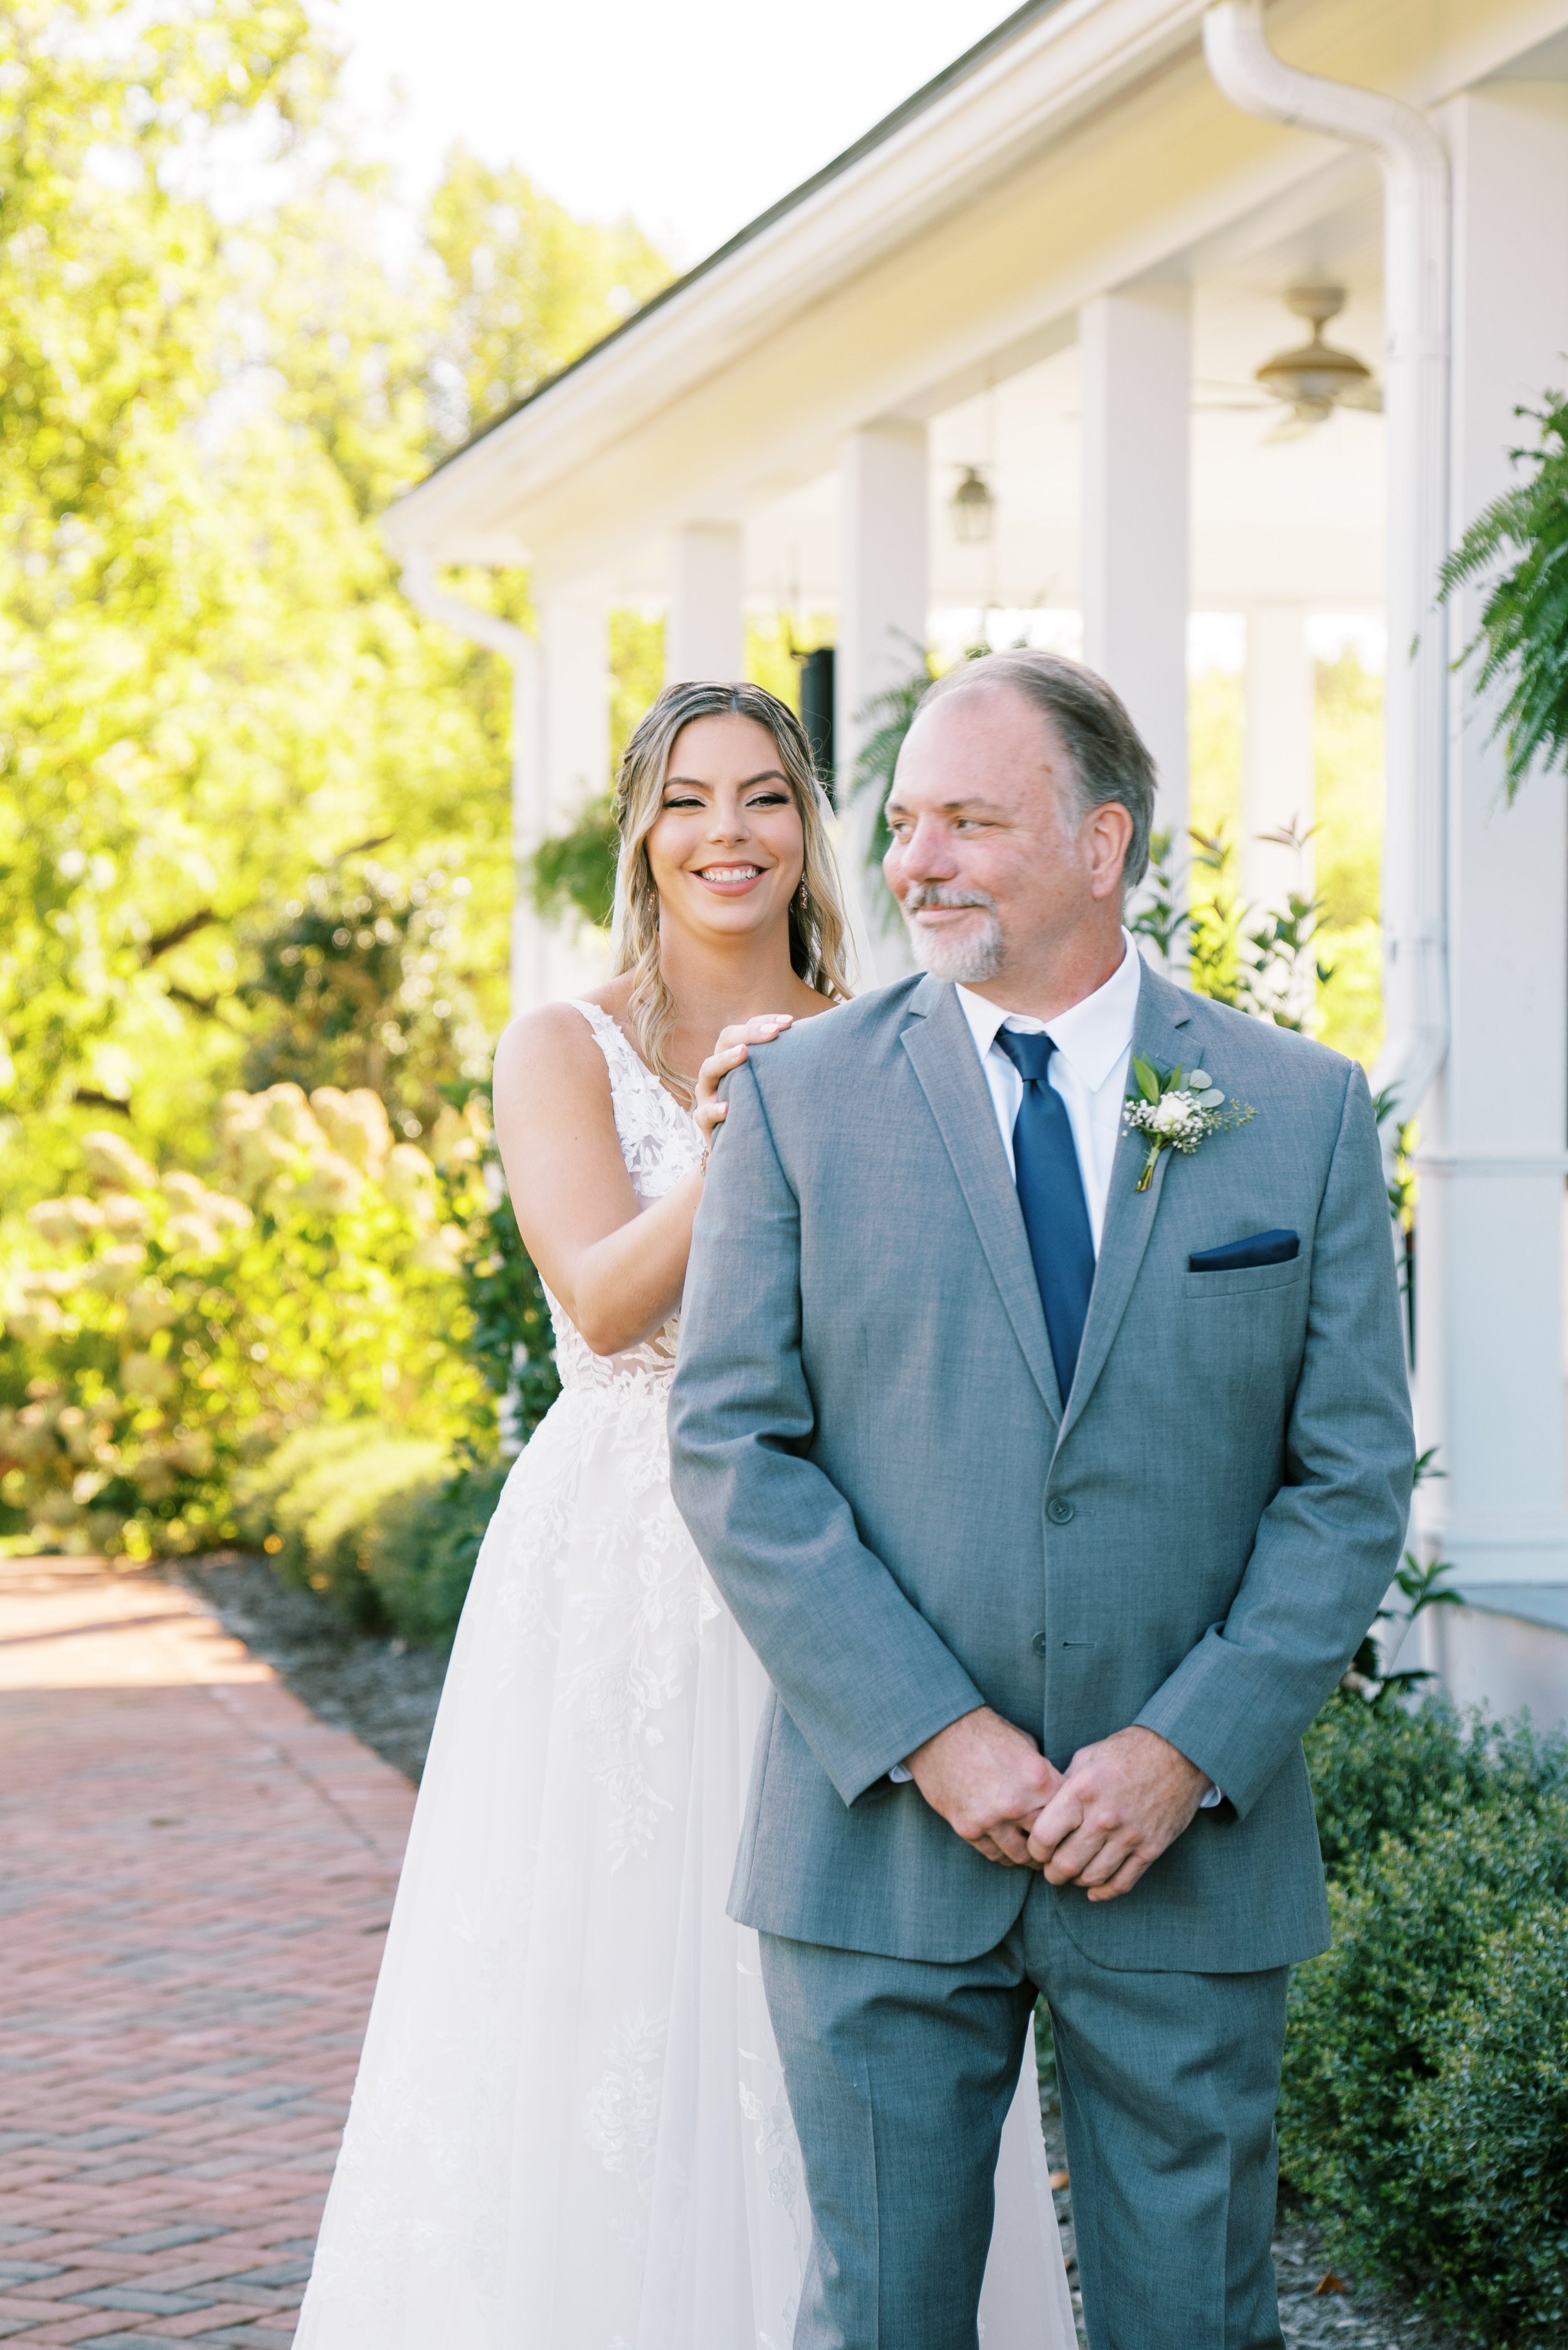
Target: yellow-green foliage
(161,1332)
(637,674)
(385,1525)
(1348,844)
(527,286)
(773,641)
(1214,707)
(210,687)
(1349,855)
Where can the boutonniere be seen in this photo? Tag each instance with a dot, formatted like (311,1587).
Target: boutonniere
(1176,1109)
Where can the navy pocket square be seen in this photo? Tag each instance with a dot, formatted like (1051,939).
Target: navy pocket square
(1236,1256)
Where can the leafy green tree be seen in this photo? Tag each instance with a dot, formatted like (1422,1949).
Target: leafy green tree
(527,286)
(362,984)
(210,690)
(112,345)
(158,1332)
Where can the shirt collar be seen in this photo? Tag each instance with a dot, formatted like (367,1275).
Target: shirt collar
(1091,1037)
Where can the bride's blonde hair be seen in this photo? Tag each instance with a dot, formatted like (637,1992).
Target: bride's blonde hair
(818,932)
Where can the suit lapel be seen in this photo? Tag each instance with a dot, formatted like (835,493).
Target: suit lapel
(1162,1015)
(941,1048)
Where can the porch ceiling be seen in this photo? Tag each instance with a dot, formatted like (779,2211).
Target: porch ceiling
(1298,520)
(1090,151)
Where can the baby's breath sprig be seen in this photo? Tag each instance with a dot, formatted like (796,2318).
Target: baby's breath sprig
(1176,1109)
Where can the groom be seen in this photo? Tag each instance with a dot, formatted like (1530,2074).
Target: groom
(1055,1507)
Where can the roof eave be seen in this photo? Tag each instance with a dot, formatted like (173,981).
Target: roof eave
(1050,62)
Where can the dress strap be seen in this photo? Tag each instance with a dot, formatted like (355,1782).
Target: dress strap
(620,1054)
(598,1020)
(627,1065)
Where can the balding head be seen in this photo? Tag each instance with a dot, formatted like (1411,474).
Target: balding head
(1105,754)
(1020,807)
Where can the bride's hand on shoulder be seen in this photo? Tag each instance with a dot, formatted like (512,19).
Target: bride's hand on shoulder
(735,1043)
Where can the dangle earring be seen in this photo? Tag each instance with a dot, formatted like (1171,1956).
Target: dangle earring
(805,898)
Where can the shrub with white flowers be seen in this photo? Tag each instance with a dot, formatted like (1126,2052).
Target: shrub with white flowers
(159,1331)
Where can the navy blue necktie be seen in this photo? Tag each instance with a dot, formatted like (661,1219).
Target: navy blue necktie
(1051,1194)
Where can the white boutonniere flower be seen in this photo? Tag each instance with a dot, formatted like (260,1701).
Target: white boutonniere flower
(1176,1109)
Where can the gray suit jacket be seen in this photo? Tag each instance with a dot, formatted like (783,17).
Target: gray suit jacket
(870,1447)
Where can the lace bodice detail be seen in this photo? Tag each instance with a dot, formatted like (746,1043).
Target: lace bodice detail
(661,1145)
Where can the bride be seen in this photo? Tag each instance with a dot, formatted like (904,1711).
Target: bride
(569,2130)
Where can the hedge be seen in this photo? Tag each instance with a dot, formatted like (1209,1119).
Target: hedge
(1425,2107)
(384,1526)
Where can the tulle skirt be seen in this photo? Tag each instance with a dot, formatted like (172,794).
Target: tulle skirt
(570,2130)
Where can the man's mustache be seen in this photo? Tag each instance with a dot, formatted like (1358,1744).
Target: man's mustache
(922,894)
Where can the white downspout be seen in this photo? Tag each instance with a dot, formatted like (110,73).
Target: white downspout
(516,646)
(1415,273)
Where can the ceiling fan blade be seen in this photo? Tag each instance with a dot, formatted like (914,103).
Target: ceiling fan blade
(1290,428)
(1366,396)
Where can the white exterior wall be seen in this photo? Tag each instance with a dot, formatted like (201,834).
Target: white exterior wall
(1499,1660)
(705,634)
(1136,359)
(882,621)
(1489,1282)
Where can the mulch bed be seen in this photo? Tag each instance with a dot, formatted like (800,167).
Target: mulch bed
(386,1694)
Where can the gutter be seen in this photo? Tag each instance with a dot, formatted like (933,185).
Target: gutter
(1415,272)
(486,628)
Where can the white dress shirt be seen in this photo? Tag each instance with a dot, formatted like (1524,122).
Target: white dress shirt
(1089,1070)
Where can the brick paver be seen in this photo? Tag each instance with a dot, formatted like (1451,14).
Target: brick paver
(195,1878)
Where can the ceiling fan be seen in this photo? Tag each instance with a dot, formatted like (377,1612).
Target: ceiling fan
(1314,379)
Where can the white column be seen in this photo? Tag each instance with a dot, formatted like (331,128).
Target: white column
(1135,350)
(705,634)
(530,932)
(1489,1345)
(570,724)
(882,621)
(1278,783)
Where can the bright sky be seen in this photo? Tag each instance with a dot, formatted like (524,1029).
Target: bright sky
(690,115)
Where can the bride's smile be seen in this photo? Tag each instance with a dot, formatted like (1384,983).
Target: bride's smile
(726,850)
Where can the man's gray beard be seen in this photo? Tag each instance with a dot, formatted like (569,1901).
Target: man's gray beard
(971,959)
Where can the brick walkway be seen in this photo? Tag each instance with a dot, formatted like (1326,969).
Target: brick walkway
(195,1877)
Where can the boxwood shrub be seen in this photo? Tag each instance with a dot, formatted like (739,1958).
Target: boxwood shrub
(386,1527)
(1425,2107)
(419,1550)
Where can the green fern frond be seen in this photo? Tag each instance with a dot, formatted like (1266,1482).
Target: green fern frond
(1519,544)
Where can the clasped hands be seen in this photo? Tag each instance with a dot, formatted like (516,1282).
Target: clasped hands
(1099,1824)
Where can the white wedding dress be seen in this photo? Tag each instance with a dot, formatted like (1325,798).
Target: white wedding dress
(569,2130)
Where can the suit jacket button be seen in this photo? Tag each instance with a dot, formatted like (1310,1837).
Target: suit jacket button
(1040,1644)
(1058,1508)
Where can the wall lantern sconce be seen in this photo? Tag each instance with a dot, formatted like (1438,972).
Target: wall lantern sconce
(973,508)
